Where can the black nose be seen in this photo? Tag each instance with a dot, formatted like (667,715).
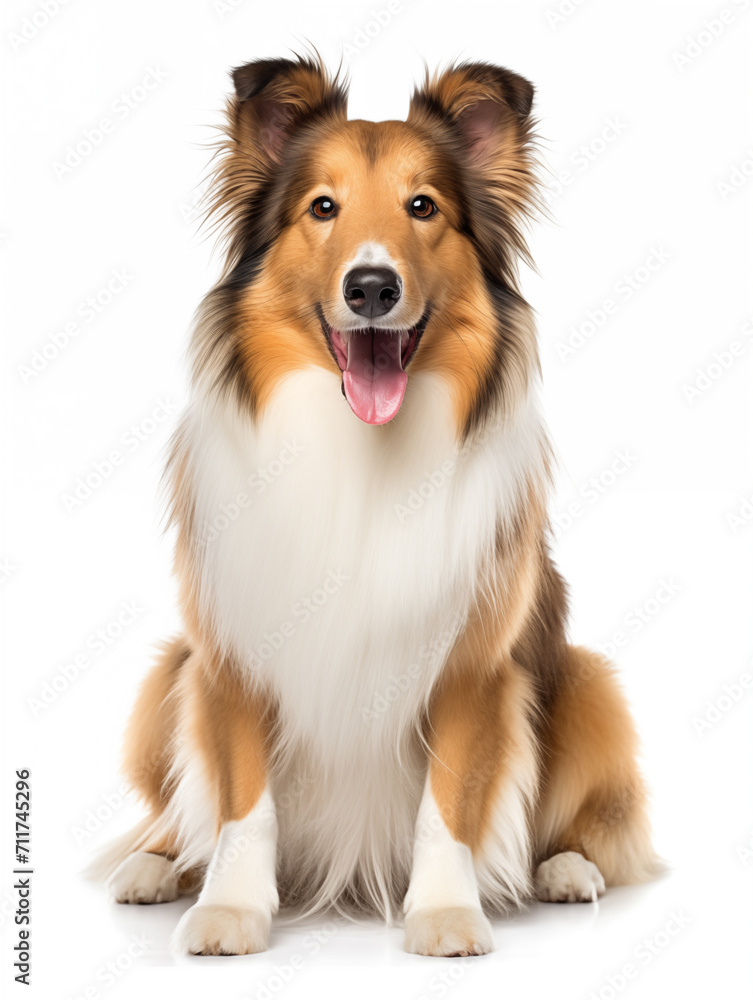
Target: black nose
(371,291)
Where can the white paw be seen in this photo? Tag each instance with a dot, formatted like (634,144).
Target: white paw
(568,878)
(144,878)
(221,930)
(450,931)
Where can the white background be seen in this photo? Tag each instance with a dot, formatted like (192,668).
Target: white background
(681,131)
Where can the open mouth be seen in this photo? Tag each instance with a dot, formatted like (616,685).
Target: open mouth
(373,362)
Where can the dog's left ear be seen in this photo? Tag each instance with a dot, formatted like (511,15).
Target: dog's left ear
(487,107)
(483,113)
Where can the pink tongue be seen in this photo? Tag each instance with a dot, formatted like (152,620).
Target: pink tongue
(374,380)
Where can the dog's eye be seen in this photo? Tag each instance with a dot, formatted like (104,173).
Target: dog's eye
(422,207)
(323,208)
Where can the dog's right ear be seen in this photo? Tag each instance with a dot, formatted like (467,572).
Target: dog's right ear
(276,96)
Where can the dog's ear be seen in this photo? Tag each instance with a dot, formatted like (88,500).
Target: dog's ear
(275,96)
(485,106)
(274,100)
(483,114)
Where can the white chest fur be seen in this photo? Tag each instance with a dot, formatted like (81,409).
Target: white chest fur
(338,562)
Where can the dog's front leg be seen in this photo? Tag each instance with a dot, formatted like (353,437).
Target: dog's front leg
(478,738)
(443,914)
(234,911)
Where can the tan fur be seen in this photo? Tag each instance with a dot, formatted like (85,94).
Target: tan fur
(147,754)
(592,801)
(231,729)
(512,688)
(475,732)
(372,169)
(593,797)
(281,334)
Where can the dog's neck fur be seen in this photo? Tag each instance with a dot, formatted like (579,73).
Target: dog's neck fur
(338,563)
(400,515)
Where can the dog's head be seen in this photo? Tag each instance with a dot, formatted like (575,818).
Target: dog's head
(376,249)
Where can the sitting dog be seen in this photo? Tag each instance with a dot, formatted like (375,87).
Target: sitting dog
(373,704)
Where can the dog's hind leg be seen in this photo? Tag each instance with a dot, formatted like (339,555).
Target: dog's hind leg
(142,858)
(591,826)
(144,878)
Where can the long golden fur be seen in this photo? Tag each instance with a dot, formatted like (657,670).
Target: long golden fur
(515,721)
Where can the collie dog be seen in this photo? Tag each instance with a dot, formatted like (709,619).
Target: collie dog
(373,705)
